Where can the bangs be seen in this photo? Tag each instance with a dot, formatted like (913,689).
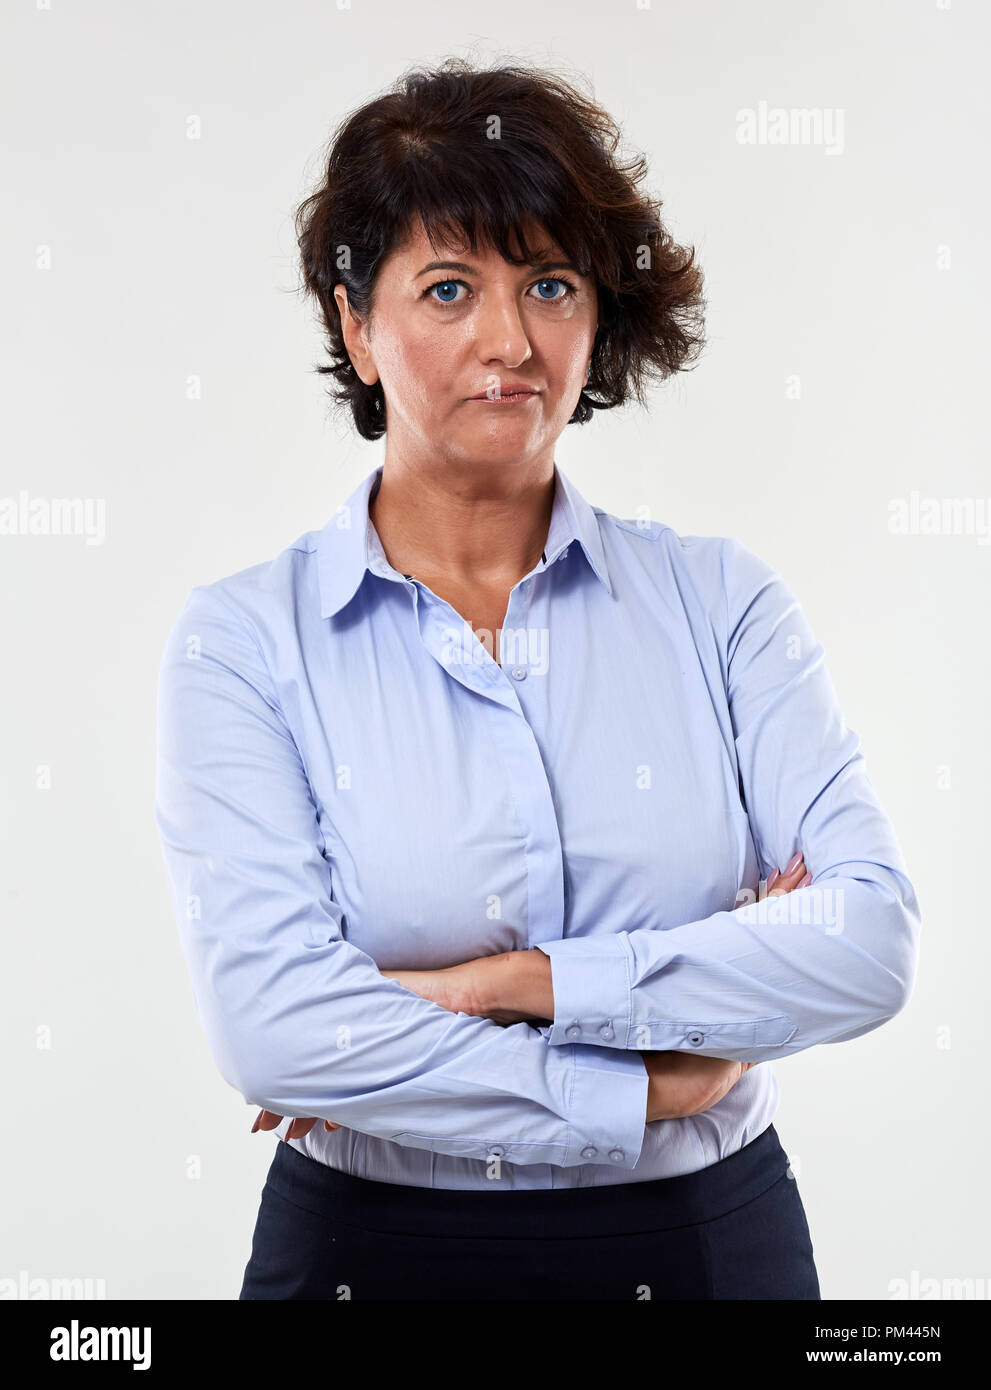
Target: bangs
(492,204)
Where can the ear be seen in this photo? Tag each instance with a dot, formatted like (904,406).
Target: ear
(355,339)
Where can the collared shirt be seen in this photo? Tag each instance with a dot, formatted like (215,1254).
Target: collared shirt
(348,782)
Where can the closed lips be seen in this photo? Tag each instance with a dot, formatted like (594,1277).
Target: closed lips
(509,388)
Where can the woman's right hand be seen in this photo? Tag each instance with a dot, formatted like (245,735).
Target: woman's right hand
(297,1127)
(683,1083)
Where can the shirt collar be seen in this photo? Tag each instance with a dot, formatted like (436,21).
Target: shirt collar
(349,545)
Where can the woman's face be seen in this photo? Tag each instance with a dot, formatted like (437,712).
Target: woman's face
(448,326)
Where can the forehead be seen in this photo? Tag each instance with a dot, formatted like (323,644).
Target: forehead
(418,249)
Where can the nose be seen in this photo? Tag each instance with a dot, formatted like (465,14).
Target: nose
(500,335)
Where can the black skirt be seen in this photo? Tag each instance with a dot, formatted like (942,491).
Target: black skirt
(734,1230)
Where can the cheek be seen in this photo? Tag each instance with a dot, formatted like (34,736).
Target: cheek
(432,358)
(414,364)
(565,377)
(565,348)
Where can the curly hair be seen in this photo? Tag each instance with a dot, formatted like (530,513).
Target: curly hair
(475,153)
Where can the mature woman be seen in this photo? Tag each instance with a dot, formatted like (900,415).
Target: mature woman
(467,797)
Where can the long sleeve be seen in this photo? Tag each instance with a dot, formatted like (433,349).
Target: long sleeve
(298,1019)
(824,963)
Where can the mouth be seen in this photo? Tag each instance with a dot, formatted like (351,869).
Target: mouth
(515,396)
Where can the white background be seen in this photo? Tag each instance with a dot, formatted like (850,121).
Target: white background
(127,1158)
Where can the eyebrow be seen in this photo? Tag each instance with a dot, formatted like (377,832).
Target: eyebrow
(541,267)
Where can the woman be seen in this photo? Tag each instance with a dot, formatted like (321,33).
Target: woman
(465,798)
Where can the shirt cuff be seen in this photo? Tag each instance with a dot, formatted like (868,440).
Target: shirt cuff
(590,977)
(609,1107)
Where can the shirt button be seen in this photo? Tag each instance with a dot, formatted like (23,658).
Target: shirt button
(518,673)
(572,1031)
(615,1155)
(606,1032)
(696,1039)
(589,1151)
(496,1151)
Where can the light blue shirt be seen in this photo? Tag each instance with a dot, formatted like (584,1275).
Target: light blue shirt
(348,782)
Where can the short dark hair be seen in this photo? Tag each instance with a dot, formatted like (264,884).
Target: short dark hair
(424,150)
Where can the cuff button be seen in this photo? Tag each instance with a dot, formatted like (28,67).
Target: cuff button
(615,1155)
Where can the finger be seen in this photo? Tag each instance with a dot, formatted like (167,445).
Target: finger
(329,1124)
(792,875)
(784,883)
(776,879)
(796,878)
(266,1119)
(299,1126)
(786,872)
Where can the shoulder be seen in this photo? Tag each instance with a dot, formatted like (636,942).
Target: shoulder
(720,569)
(262,596)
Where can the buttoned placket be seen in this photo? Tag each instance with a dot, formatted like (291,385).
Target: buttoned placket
(451,641)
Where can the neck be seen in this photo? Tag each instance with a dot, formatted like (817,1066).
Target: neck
(463,530)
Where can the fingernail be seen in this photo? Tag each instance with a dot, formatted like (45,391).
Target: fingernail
(257,1123)
(806,880)
(794,862)
(773,879)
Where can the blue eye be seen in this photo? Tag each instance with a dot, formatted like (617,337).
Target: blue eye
(554,280)
(447,290)
(444,285)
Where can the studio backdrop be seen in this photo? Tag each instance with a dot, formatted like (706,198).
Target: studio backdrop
(164,427)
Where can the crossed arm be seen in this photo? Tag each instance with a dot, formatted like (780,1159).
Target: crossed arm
(517,986)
